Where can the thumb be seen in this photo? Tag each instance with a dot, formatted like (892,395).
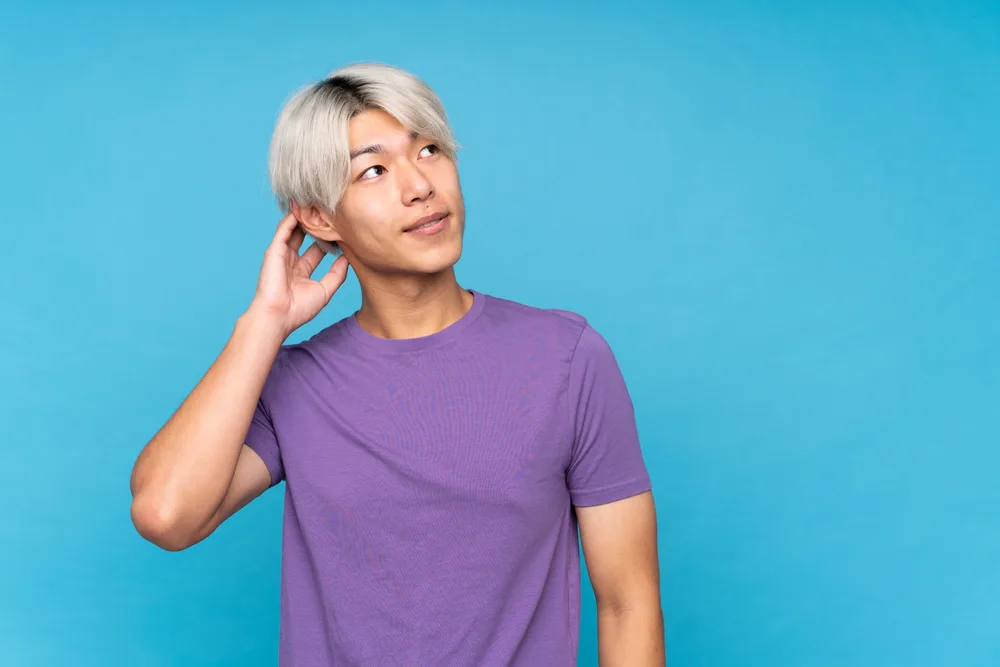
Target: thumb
(334,278)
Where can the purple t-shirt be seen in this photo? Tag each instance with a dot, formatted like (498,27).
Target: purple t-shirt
(430,485)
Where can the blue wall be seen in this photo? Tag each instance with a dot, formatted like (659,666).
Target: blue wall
(784,219)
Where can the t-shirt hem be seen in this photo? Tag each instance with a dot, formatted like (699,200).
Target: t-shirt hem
(609,494)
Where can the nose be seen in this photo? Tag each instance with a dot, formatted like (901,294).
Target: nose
(414,184)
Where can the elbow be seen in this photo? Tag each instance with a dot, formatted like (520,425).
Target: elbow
(624,605)
(159,524)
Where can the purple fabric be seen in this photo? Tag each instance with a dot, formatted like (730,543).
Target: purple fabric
(430,485)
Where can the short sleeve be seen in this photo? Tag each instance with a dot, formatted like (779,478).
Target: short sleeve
(607,462)
(261,436)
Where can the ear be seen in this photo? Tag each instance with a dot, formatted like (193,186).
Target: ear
(316,222)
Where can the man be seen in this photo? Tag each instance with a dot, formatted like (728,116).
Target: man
(440,448)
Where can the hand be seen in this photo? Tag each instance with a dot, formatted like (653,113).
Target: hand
(285,289)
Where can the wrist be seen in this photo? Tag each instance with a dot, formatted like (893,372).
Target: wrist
(262,322)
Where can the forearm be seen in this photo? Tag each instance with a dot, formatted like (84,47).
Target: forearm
(631,635)
(181,477)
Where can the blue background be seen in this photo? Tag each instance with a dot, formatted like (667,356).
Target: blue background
(782,216)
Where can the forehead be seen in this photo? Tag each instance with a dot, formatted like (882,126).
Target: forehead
(376,126)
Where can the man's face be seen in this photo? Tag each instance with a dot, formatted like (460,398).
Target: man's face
(397,179)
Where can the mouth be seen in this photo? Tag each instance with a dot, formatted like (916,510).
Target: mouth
(429,224)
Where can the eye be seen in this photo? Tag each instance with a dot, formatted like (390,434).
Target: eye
(433,146)
(369,173)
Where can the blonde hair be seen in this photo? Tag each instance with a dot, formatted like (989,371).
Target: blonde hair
(309,161)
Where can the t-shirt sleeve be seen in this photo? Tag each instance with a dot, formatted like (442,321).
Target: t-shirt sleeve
(262,437)
(607,462)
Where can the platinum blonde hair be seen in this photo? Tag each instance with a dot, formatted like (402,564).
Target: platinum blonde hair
(309,160)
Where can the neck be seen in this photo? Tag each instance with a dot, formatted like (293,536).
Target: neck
(411,307)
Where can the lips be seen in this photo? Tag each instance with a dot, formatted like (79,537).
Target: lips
(426,221)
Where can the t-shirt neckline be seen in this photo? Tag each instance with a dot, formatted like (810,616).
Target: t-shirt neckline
(448,334)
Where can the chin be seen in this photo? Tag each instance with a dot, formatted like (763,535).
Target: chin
(438,259)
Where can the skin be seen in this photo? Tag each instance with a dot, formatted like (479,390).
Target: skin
(196,472)
(408,283)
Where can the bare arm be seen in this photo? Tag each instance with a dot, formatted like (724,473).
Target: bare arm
(196,471)
(183,475)
(619,545)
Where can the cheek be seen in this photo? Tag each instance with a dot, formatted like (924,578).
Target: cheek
(371,219)
(448,178)
(447,187)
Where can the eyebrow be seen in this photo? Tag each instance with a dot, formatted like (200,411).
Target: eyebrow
(377,149)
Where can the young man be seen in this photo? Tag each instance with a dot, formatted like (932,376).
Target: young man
(440,448)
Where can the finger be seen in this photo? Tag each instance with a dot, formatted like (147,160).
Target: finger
(287,225)
(334,278)
(309,260)
(296,239)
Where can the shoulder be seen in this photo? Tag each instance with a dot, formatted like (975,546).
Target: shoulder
(518,320)
(298,359)
(561,339)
